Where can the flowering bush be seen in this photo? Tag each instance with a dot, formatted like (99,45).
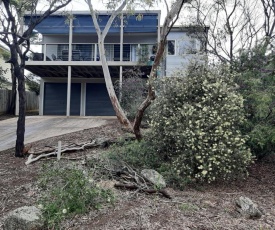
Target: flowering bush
(195,121)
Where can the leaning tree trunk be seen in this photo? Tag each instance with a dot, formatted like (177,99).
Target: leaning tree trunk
(151,93)
(170,19)
(109,85)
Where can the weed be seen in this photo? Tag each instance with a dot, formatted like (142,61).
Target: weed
(67,192)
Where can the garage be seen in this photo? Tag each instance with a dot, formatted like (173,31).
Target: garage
(55,99)
(97,100)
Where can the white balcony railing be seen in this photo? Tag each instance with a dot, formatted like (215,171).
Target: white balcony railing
(89,52)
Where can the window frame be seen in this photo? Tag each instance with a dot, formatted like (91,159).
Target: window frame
(167,46)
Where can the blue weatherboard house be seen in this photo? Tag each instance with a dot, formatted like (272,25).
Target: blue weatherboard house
(68,62)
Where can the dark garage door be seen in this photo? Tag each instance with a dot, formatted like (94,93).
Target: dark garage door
(55,98)
(97,100)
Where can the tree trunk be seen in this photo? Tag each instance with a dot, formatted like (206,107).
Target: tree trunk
(20,132)
(170,19)
(109,85)
(151,94)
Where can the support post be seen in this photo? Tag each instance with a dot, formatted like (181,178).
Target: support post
(121,56)
(69,91)
(69,69)
(59,151)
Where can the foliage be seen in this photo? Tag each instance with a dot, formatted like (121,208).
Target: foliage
(66,192)
(3,81)
(143,54)
(133,90)
(195,125)
(139,154)
(33,84)
(4,54)
(256,77)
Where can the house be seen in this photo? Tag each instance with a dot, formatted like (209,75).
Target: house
(68,62)
(5,79)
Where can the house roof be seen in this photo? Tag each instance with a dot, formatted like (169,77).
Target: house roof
(139,22)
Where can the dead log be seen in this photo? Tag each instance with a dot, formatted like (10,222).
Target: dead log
(84,146)
(52,151)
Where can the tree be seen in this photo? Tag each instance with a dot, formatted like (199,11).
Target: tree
(269,22)
(232,26)
(171,18)
(17,38)
(118,7)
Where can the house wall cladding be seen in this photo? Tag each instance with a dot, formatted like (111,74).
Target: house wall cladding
(32,100)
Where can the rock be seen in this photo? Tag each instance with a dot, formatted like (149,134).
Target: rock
(24,218)
(248,208)
(154,177)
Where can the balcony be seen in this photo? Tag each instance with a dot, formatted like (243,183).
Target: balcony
(142,54)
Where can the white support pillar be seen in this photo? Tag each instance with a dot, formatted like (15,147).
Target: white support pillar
(159,27)
(95,55)
(69,91)
(70,39)
(121,56)
(69,69)
(83,99)
(45,52)
(41,98)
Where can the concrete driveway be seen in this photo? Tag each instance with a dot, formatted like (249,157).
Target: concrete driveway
(41,127)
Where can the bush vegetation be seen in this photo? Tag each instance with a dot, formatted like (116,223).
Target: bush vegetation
(256,77)
(195,125)
(195,129)
(67,192)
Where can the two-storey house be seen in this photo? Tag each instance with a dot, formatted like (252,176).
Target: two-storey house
(68,60)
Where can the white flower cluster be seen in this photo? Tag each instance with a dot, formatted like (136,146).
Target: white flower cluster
(195,125)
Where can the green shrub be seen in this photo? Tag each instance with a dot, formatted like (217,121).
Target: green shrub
(67,192)
(195,125)
(137,154)
(256,77)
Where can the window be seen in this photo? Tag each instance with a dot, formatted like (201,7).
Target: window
(171,47)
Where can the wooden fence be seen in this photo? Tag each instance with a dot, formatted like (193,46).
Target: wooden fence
(32,102)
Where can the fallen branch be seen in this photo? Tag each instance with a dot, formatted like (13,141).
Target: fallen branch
(134,186)
(86,145)
(51,151)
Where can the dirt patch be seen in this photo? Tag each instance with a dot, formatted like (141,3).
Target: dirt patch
(208,206)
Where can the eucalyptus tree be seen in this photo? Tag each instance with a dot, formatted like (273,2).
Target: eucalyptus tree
(16,36)
(117,7)
(269,23)
(233,25)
